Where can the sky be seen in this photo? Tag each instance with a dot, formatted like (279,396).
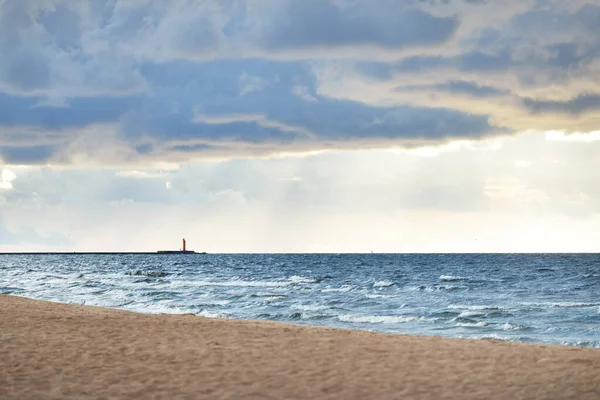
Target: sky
(300,126)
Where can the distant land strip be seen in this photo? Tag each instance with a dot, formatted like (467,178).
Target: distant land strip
(96,253)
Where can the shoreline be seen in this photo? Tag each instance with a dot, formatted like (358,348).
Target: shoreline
(56,350)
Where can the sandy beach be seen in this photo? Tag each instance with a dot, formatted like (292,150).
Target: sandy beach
(59,351)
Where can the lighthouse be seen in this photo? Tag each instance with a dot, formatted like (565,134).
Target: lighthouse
(183,250)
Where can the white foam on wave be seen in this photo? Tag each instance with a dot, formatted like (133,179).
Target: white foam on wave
(378,296)
(213,314)
(301,279)
(474,308)
(378,319)
(494,336)
(472,324)
(309,307)
(470,314)
(269,299)
(511,327)
(594,344)
(383,284)
(237,283)
(345,288)
(216,303)
(451,278)
(156,308)
(591,275)
(437,288)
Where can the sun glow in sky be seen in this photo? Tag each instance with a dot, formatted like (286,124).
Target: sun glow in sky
(300,126)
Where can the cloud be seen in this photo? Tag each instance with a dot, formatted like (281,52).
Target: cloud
(201,113)
(583,103)
(6,178)
(44,54)
(573,137)
(121,83)
(299,25)
(142,174)
(493,188)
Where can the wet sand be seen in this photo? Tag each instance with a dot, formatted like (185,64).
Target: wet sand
(58,351)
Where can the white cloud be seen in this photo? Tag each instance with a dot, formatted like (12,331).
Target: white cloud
(353,201)
(6,178)
(142,174)
(562,136)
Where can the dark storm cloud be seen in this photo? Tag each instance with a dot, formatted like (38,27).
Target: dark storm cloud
(23,64)
(25,111)
(272,116)
(187,79)
(27,154)
(212,91)
(458,87)
(579,105)
(313,23)
(475,61)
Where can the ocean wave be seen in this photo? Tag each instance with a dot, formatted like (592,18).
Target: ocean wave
(476,307)
(451,278)
(149,280)
(512,327)
(155,308)
(378,296)
(302,279)
(241,283)
(436,288)
(212,303)
(563,304)
(213,314)
(378,319)
(545,269)
(301,315)
(150,274)
(479,324)
(345,288)
(270,299)
(308,307)
(595,344)
(11,290)
(269,295)
(494,336)
(470,314)
(383,284)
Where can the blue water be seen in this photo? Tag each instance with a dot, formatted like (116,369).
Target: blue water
(546,298)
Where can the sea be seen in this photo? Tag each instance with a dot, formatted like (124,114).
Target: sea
(540,298)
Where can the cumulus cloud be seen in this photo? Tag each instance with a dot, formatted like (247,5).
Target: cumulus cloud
(6,178)
(120,82)
(478,187)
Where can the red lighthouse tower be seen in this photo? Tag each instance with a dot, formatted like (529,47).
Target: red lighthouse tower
(183,250)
